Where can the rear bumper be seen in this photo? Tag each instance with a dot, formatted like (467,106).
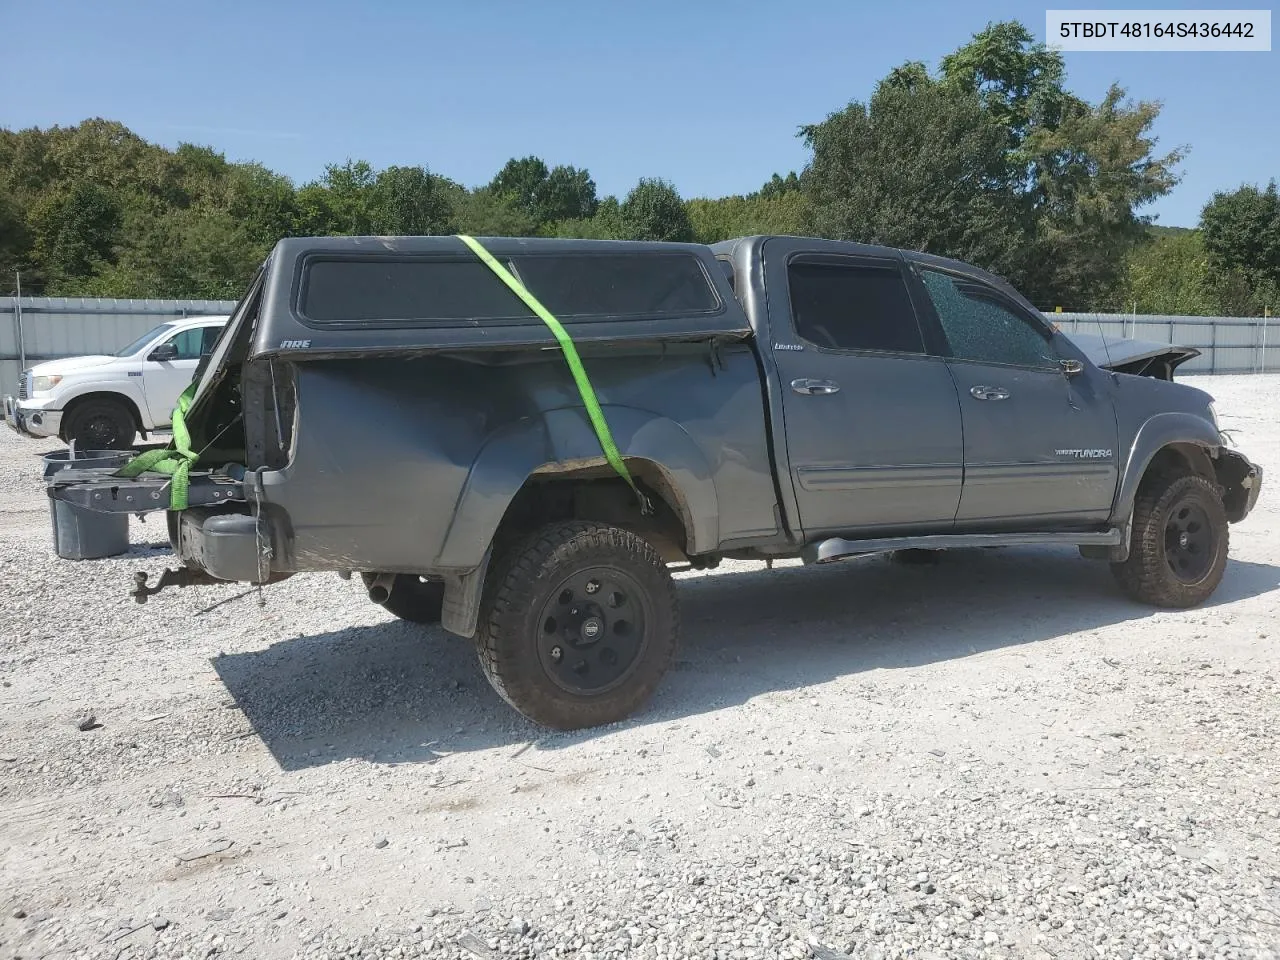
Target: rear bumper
(229,546)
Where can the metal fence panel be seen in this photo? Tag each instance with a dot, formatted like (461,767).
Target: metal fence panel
(1226,344)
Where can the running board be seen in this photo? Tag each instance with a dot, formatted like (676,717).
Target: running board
(826,551)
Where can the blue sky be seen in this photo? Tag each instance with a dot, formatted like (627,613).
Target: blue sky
(706,95)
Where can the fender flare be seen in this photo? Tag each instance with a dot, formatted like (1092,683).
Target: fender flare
(560,440)
(1153,436)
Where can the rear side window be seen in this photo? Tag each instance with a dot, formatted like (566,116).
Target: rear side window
(853,306)
(440,291)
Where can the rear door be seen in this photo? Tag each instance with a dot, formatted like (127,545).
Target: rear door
(872,421)
(1039,446)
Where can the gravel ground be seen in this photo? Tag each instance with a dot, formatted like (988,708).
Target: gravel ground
(995,756)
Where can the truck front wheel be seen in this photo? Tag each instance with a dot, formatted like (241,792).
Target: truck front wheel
(100,423)
(1178,550)
(578,624)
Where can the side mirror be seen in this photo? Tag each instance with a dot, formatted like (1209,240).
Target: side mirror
(1071,367)
(163,353)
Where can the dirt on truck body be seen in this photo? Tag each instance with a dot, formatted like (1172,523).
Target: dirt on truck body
(402,409)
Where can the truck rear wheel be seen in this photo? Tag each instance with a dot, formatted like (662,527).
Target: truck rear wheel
(1178,551)
(100,424)
(413,598)
(578,623)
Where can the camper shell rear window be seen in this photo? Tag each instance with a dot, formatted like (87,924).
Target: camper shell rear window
(405,291)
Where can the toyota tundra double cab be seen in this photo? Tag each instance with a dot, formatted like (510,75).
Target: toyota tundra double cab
(394,407)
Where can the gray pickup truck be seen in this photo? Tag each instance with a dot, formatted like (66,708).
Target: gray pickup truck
(387,406)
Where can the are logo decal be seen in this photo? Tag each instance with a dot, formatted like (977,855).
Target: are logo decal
(788,346)
(294,344)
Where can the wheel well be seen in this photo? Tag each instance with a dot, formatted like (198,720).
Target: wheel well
(120,398)
(597,493)
(1181,458)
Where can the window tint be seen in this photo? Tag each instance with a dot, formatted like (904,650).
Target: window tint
(188,343)
(436,291)
(411,290)
(853,307)
(619,284)
(210,338)
(980,326)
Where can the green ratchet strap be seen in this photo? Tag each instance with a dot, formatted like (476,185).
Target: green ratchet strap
(175,460)
(570,352)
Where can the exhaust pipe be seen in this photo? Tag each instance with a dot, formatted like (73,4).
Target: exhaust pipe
(380,587)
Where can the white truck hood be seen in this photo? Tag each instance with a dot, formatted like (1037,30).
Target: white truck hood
(69,365)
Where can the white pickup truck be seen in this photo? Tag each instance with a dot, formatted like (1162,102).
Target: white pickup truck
(103,402)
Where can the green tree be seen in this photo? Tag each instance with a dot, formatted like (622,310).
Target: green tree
(924,167)
(486,213)
(1092,173)
(543,195)
(1242,232)
(265,204)
(567,193)
(994,161)
(653,210)
(719,219)
(407,201)
(1169,274)
(778,186)
(15,239)
(76,230)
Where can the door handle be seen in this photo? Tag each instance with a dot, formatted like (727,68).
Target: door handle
(815,388)
(989,393)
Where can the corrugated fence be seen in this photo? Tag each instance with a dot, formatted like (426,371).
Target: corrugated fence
(1226,344)
(50,327)
(45,328)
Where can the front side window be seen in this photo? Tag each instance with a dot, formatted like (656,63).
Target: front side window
(980,325)
(853,306)
(189,343)
(143,340)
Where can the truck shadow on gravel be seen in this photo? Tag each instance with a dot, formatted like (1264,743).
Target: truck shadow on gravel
(393,693)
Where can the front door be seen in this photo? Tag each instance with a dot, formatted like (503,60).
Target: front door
(872,421)
(164,380)
(1039,445)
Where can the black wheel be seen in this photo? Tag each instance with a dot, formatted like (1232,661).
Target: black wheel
(1179,547)
(413,598)
(578,623)
(101,425)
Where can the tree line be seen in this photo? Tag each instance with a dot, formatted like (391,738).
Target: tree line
(988,159)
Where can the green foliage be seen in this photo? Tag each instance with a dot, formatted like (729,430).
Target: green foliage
(777,186)
(921,166)
(785,212)
(546,196)
(653,210)
(1242,232)
(993,161)
(1169,274)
